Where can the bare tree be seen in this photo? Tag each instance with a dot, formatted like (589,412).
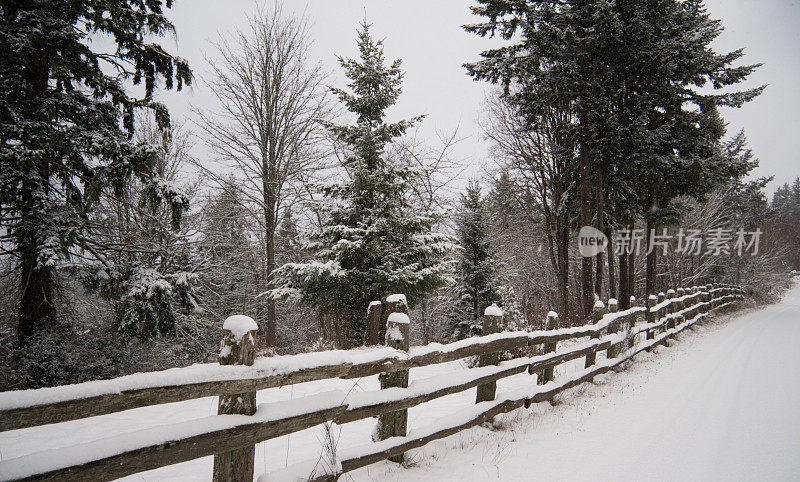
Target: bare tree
(540,161)
(271,96)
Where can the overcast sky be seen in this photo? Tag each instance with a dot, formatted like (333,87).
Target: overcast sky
(427,35)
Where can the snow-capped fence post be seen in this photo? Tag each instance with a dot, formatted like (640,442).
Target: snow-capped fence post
(372,336)
(597,314)
(492,323)
(238,347)
(394,424)
(650,317)
(546,375)
(613,307)
(631,320)
(671,307)
(681,304)
(711,296)
(396,304)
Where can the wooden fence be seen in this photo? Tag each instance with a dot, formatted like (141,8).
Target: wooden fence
(232,435)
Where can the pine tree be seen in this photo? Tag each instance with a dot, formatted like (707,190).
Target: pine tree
(230,262)
(66,125)
(630,74)
(786,221)
(373,243)
(476,266)
(146,269)
(287,246)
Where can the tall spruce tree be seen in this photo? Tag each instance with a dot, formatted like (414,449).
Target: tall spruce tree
(786,221)
(631,73)
(476,267)
(373,242)
(66,125)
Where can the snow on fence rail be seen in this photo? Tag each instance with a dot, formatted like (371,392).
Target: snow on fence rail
(232,435)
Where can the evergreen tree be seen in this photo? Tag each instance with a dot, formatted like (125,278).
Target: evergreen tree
(476,266)
(786,221)
(630,76)
(373,242)
(66,125)
(146,264)
(229,255)
(287,246)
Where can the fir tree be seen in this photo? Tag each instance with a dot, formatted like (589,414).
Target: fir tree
(476,266)
(630,74)
(66,125)
(373,243)
(786,225)
(287,246)
(229,254)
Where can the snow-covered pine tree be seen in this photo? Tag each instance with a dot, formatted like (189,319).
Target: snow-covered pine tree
(786,222)
(228,281)
(146,267)
(373,243)
(476,267)
(66,126)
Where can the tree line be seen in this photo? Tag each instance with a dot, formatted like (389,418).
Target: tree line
(122,251)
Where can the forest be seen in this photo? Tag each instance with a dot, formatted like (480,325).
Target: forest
(122,251)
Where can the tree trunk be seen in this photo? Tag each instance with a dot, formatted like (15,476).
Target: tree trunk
(612,275)
(587,291)
(600,259)
(270,224)
(563,253)
(624,290)
(650,270)
(37,286)
(37,283)
(631,274)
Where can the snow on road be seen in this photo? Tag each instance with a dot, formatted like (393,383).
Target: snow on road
(721,403)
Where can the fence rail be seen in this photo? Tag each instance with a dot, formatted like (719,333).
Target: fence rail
(231,438)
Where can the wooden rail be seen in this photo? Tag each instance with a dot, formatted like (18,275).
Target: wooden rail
(231,437)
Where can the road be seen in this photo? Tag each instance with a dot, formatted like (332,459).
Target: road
(721,403)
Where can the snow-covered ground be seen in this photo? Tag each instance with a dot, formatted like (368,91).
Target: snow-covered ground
(720,403)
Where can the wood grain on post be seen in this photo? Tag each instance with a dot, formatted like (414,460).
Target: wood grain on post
(551,323)
(597,314)
(372,336)
(238,347)
(395,423)
(492,323)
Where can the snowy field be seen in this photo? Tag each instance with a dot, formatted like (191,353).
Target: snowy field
(721,403)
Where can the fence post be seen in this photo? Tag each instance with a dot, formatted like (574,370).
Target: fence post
(546,375)
(373,324)
(238,347)
(712,296)
(394,424)
(631,320)
(492,320)
(597,314)
(613,307)
(681,304)
(649,316)
(671,307)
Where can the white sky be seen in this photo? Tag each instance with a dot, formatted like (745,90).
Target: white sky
(427,35)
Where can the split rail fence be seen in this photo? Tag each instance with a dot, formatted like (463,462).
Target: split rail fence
(231,436)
